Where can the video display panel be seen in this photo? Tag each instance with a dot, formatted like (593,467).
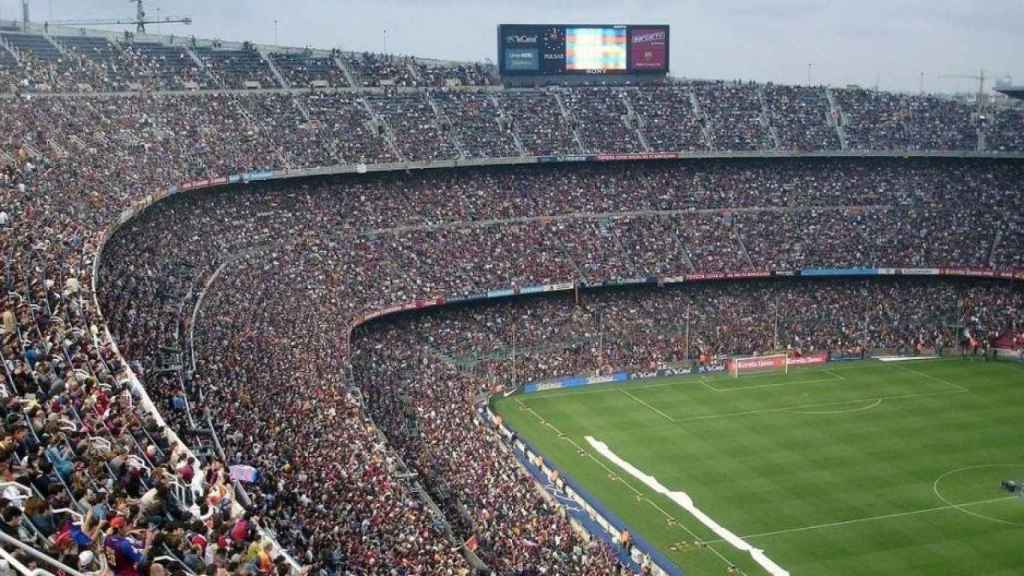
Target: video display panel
(522,59)
(555,49)
(595,49)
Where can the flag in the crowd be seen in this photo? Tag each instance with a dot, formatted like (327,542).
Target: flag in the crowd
(472,544)
(243,473)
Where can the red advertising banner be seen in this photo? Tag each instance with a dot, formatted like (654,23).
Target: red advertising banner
(637,156)
(978,273)
(727,275)
(648,49)
(778,361)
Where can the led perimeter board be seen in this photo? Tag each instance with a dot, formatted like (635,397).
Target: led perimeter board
(556,49)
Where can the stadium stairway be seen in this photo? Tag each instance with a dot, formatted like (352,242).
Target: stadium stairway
(37,45)
(345,70)
(380,124)
(835,117)
(766,118)
(445,124)
(636,122)
(705,124)
(275,72)
(571,122)
(506,123)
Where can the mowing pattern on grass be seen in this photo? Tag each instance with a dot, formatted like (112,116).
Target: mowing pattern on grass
(856,469)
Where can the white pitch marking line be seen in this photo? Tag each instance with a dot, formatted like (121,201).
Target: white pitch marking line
(962,507)
(821,404)
(618,477)
(776,385)
(707,384)
(836,374)
(871,518)
(930,377)
(690,532)
(875,404)
(666,416)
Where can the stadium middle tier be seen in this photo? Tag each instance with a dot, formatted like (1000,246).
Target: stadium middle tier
(347,126)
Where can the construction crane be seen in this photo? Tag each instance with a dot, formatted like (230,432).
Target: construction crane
(980,77)
(140,20)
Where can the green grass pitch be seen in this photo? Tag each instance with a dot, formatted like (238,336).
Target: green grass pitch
(864,468)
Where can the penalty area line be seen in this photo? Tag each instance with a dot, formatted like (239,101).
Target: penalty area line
(930,377)
(641,402)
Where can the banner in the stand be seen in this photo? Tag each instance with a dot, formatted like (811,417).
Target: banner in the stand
(908,271)
(565,158)
(257,176)
(819,272)
(980,273)
(639,156)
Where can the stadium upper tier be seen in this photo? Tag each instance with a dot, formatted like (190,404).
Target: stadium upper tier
(415,109)
(78,432)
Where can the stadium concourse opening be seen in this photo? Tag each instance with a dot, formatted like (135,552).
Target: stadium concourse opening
(262,305)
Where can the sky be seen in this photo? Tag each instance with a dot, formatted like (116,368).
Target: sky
(888,43)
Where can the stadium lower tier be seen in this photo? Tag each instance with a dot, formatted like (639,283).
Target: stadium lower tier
(276,276)
(423,374)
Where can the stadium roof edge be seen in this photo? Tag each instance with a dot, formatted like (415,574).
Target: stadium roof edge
(1012,91)
(13,27)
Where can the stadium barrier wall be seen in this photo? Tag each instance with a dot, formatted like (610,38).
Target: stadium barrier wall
(1010,355)
(578,381)
(591,516)
(214,182)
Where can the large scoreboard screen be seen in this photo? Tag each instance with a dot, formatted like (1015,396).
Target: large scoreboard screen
(525,49)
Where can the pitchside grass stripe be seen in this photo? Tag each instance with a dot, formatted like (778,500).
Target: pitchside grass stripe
(778,470)
(616,477)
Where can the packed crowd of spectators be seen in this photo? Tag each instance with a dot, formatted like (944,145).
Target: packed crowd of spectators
(876,120)
(303,260)
(479,124)
(471,347)
(445,75)
(302,69)
(670,116)
(668,119)
(302,263)
(802,117)
(1005,130)
(736,115)
(603,120)
(419,133)
(93,476)
(538,120)
(237,68)
(344,127)
(376,70)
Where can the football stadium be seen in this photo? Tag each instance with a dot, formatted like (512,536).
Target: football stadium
(567,309)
